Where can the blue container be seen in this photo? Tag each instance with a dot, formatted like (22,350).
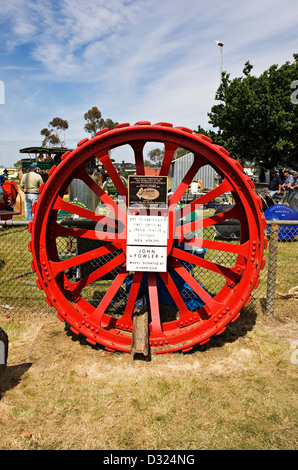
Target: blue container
(283,212)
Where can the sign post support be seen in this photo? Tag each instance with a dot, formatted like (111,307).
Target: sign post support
(147,237)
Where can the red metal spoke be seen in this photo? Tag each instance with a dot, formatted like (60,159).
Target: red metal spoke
(138,147)
(223,188)
(232,213)
(76,287)
(175,294)
(90,234)
(171,219)
(183,186)
(210,304)
(114,175)
(103,196)
(156,329)
(99,311)
(229,273)
(60,204)
(182,229)
(132,298)
(170,150)
(64,231)
(242,249)
(58,266)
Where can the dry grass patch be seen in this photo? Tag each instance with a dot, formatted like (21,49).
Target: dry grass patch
(237,392)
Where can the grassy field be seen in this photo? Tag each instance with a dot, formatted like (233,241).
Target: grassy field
(239,392)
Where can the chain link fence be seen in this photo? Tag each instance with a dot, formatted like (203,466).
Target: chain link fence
(277,291)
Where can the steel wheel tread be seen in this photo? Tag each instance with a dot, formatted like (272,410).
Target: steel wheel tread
(191,327)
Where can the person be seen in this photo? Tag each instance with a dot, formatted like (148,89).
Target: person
(1,182)
(97,176)
(289,179)
(282,175)
(275,184)
(262,175)
(30,184)
(293,194)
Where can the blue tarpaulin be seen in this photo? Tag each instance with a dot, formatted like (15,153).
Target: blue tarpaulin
(191,299)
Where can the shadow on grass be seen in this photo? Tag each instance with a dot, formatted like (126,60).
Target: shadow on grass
(11,377)
(81,339)
(234,330)
(244,323)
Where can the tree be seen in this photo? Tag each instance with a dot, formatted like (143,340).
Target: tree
(18,164)
(95,121)
(180,152)
(256,118)
(156,156)
(52,133)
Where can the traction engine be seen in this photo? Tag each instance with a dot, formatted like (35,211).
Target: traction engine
(148,255)
(10,204)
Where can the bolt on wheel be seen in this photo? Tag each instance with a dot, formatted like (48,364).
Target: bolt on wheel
(81,263)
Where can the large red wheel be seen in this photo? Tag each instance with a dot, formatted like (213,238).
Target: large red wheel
(197,296)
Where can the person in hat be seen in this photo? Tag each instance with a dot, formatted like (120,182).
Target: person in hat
(1,182)
(3,178)
(275,184)
(30,184)
(289,179)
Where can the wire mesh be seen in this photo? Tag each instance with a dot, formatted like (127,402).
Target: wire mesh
(19,293)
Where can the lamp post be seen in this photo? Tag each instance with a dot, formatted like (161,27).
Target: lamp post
(220,45)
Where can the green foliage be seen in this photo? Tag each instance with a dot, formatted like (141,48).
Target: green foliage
(52,133)
(256,118)
(156,156)
(95,121)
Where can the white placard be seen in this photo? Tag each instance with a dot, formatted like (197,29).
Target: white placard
(146,258)
(147,230)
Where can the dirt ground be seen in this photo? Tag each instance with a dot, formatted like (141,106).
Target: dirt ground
(46,339)
(46,358)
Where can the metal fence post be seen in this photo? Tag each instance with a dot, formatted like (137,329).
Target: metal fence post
(272,269)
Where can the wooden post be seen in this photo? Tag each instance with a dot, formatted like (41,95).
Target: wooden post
(140,331)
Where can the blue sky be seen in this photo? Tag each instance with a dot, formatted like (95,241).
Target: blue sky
(135,60)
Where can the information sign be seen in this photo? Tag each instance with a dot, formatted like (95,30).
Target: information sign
(147,235)
(146,258)
(147,192)
(147,230)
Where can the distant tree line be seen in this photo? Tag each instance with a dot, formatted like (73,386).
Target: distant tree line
(256,118)
(54,134)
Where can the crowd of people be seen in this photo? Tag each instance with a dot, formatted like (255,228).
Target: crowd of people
(284,181)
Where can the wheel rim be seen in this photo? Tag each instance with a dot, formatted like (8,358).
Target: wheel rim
(177,321)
